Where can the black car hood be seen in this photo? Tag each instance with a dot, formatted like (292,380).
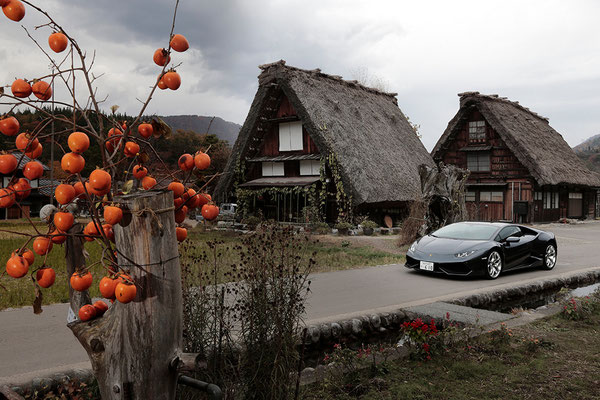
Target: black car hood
(441,246)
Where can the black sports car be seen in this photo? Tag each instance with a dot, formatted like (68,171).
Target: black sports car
(482,248)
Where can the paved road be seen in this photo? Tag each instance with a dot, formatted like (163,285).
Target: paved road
(31,342)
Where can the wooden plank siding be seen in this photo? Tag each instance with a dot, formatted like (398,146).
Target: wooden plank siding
(270,144)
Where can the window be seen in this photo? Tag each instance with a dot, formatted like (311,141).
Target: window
(574,195)
(470,196)
(550,200)
(478,161)
(508,232)
(272,169)
(290,136)
(538,196)
(310,167)
(477,131)
(491,196)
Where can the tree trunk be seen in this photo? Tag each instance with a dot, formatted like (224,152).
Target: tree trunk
(132,345)
(75,258)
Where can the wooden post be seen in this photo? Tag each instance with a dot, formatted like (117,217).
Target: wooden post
(133,345)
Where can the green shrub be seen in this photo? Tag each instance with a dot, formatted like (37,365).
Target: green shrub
(251,221)
(368,224)
(321,228)
(343,226)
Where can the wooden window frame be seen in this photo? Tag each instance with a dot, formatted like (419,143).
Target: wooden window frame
(291,136)
(551,200)
(268,169)
(480,164)
(476,131)
(471,194)
(491,197)
(311,166)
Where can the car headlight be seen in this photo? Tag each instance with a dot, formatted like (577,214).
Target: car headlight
(464,254)
(413,247)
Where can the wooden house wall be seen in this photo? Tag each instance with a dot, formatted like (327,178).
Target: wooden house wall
(505,168)
(518,185)
(270,144)
(504,164)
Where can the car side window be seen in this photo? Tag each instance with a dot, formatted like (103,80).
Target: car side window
(507,232)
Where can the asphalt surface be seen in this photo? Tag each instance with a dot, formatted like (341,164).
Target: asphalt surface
(34,344)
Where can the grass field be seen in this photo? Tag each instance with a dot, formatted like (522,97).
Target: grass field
(19,292)
(550,359)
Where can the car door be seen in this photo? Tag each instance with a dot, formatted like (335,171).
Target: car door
(515,253)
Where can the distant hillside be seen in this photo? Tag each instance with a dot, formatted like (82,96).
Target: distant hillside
(589,152)
(225,130)
(589,144)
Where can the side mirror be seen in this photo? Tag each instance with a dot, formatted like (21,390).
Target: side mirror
(513,239)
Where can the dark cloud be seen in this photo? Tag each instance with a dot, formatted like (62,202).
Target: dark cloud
(425,51)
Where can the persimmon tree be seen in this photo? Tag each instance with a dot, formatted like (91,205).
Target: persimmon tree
(135,205)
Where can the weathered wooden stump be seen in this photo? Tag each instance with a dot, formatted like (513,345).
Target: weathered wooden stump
(132,346)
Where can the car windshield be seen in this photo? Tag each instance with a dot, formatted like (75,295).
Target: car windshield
(466,232)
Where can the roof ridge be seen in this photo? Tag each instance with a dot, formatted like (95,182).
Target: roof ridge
(495,97)
(281,64)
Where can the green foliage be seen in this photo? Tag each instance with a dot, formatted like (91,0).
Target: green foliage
(420,335)
(321,228)
(343,200)
(347,367)
(369,224)
(343,225)
(577,309)
(501,336)
(251,221)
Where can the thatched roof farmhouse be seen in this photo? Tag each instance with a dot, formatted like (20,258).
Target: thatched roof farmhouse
(317,144)
(521,168)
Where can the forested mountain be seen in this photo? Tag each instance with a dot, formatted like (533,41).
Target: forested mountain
(224,130)
(589,152)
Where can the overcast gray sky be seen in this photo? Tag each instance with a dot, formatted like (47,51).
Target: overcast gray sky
(545,54)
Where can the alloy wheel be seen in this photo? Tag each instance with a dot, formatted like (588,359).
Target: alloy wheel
(550,257)
(494,265)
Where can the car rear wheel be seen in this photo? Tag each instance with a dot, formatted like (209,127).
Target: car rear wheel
(550,256)
(494,265)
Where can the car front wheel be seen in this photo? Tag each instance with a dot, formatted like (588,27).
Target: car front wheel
(550,256)
(494,265)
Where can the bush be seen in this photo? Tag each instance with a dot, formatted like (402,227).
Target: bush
(577,309)
(270,306)
(369,224)
(320,228)
(259,311)
(252,222)
(340,226)
(419,335)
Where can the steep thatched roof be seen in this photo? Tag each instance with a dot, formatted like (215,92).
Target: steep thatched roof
(377,150)
(541,149)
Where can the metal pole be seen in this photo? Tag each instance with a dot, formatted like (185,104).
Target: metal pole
(213,390)
(512,202)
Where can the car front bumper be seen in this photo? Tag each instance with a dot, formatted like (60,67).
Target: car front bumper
(473,266)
